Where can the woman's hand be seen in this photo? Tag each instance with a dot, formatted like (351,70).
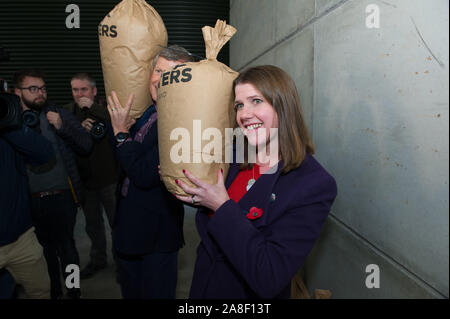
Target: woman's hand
(120,116)
(207,195)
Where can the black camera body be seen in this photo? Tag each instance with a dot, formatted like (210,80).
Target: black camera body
(11,115)
(98,130)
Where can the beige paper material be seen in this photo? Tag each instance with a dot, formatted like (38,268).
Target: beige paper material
(130,36)
(194,100)
(300,291)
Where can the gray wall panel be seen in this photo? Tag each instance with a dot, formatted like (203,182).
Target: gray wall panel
(386,103)
(338,263)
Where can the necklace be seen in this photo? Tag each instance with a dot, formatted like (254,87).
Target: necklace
(252,180)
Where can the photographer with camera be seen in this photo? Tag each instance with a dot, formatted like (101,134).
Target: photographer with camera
(98,170)
(20,252)
(55,186)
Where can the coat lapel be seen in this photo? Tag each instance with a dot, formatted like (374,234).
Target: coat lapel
(232,173)
(260,194)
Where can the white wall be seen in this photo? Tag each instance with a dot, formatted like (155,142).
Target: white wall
(376,102)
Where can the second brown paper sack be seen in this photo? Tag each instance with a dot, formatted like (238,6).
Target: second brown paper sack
(195,106)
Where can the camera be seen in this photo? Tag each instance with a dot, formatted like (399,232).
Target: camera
(11,115)
(30,118)
(98,130)
(10,111)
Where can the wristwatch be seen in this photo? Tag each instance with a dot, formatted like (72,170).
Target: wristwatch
(121,137)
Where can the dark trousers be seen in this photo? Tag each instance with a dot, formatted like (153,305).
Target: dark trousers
(94,203)
(152,276)
(54,218)
(7,284)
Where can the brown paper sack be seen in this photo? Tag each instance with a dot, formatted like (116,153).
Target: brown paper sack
(195,106)
(131,35)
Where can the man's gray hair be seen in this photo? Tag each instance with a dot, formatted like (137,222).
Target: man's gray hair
(84,76)
(174,53)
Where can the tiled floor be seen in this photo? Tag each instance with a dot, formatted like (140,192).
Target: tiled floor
(104,286)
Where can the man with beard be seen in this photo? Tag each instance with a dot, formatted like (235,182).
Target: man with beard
(54,186)
(98,170)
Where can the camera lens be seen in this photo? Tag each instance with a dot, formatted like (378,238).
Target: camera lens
(98,130)
(10,111)
(30,118)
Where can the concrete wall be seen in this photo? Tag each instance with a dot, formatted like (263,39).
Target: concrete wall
(376,102)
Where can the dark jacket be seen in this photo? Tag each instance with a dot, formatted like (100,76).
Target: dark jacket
(72,139)
(99,168)
(149,219)
(243,258)
(18,147)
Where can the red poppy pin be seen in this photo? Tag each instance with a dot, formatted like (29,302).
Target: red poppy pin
(254,213)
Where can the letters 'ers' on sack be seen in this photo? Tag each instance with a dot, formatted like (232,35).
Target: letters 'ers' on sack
(195,106)
(130,36)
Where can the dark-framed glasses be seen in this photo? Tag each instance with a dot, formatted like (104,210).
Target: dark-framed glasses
(34,89)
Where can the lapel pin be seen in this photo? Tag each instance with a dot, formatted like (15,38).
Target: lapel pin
(273,197)
(254,213)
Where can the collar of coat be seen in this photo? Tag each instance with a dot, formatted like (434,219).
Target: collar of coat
(260,194)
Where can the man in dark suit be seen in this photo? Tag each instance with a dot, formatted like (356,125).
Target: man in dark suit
(148,227)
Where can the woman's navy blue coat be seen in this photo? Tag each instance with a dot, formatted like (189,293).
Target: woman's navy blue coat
(243,258)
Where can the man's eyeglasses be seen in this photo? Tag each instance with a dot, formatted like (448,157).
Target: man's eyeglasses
(34,89)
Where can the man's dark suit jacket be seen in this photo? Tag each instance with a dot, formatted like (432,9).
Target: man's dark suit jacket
(149,219)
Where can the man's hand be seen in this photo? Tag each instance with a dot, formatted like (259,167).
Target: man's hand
(85,102)
(120,116)
(87,124)
(54,119)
